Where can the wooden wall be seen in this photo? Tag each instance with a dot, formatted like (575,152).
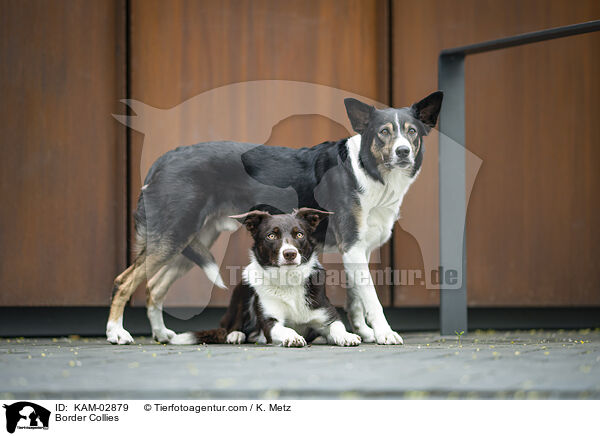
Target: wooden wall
(65,169)
(62,155)
(531,238)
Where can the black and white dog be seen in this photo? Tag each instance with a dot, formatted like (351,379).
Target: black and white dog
(281,298)
(190,192)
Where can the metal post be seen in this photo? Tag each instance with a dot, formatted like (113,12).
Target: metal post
(452,170)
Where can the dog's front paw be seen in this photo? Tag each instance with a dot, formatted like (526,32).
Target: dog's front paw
(347,340)
(293,340)
(388,338)
(367,334)
(163,335)
(236,338)
(118,335)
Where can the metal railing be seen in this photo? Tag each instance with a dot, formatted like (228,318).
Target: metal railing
(452,166)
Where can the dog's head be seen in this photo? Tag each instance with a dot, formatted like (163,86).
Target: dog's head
(393,138)
(282,240)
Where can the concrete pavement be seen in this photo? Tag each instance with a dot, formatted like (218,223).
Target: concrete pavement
(486,364)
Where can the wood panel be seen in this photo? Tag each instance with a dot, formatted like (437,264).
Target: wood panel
(62,155)
(540,183)
(181,50)
(531,239)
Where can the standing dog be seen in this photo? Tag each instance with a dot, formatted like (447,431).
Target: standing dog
(190,192)
(281,298)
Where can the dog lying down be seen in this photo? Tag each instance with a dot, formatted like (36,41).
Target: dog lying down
(281,298)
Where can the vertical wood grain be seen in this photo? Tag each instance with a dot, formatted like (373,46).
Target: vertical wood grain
(62,155)
(531,239)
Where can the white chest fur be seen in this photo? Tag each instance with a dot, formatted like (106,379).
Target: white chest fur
(380,203)
(282,292)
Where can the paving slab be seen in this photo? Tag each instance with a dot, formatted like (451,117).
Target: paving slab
(483,364)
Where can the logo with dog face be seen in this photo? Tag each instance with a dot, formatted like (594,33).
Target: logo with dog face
(26,415)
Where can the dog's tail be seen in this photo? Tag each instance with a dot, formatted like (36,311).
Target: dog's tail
(214,336)
(202,257)
(212,272)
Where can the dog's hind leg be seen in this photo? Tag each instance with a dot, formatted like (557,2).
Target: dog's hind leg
(125,284)
(156,291)
(197,251)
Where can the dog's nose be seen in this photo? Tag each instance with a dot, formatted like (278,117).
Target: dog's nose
(402,152)
(289,254)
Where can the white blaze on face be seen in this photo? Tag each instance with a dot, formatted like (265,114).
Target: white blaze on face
(286,247)
(401,141)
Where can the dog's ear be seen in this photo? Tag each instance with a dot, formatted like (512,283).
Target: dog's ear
(312,216)
(251,219)
(428,109)
(359,114)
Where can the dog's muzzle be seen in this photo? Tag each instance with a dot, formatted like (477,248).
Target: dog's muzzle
(289,256)
(403,156)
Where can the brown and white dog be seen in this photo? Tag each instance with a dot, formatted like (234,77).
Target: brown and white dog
(281,298)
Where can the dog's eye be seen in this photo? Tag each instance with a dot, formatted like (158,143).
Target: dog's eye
(271,236)
(299,235)
(384,132)
(412,131)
